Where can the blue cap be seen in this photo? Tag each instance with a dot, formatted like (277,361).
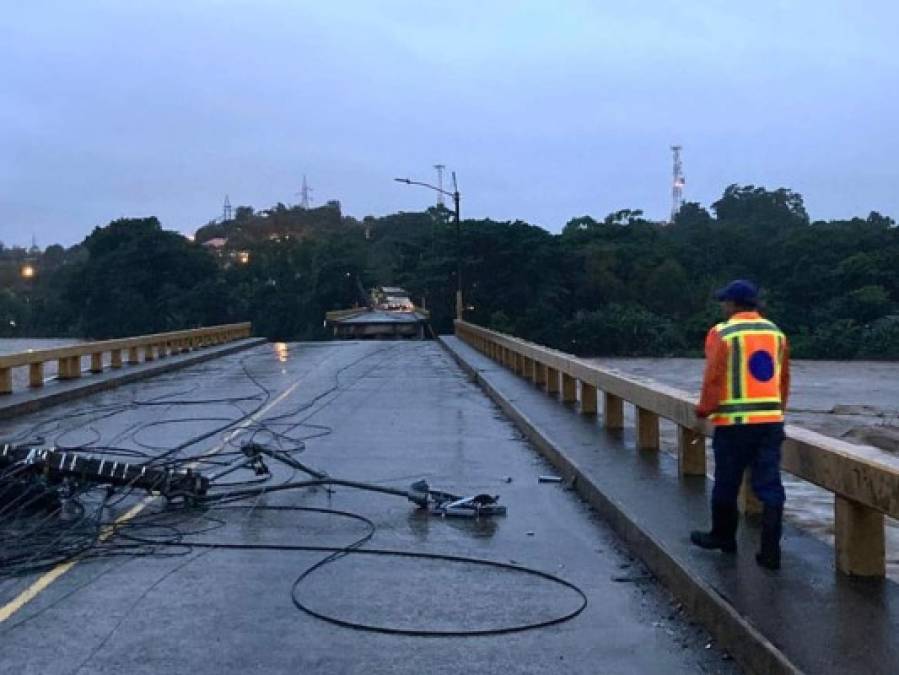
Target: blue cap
(739,291)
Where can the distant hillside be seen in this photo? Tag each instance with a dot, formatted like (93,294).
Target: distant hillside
(619,285)
(249,228)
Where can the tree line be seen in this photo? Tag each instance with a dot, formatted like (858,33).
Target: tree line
(619,285)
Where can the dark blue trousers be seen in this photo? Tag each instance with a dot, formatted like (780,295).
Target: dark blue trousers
(748,445)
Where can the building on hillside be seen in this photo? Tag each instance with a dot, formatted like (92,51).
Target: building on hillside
(216,245)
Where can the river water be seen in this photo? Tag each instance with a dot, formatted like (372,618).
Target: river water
(857,402)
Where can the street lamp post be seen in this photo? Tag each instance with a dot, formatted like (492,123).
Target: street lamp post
(456,199)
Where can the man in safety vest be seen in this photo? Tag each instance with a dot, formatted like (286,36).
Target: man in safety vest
(744,395)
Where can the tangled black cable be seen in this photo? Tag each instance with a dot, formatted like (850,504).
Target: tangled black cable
(35,539)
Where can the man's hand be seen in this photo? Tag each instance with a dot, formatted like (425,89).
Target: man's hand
(705,426)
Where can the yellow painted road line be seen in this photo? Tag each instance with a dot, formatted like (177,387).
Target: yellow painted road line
(52,575)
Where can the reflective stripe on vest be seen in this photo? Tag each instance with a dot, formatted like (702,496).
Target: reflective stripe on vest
(755,357)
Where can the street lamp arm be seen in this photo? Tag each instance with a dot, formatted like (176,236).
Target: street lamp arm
(408,181)
(456,197)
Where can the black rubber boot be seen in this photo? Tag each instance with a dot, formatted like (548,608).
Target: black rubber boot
(769,553)
(724,530)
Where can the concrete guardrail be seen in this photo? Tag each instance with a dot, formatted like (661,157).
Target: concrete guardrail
(865,481)
(121,351)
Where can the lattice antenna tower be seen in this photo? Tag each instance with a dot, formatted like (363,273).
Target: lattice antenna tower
(305,194)
(440,168)
(226,210)
(677,185)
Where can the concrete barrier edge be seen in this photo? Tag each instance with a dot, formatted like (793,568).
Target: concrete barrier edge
(752,650)
(86,388)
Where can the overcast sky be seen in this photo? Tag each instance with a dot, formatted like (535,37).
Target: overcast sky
(546,110)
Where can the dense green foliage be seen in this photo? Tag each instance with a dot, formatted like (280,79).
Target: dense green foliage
(621,285)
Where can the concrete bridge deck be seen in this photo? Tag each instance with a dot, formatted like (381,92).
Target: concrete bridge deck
(389,413)
(807,617)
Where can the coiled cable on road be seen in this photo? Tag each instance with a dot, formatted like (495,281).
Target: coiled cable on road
(355,548)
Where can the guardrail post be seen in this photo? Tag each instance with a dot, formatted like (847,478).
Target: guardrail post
(517,363)
(36,375)
(690,452)
(97,362)
(62,368)
(5,380)
(552,380)
(569,388)
(163,349)
(148,353)
(529,368)
(539,374)
(115,358)
(588,399)
(859,539)
(133,355)
(747,501)
(74,369)
(612,411)
(647,429)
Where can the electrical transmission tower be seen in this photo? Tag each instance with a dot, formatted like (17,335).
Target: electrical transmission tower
(226,210)
(305,194)
(677,187)
(440,168)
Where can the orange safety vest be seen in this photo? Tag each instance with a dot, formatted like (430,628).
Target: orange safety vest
(755,358)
